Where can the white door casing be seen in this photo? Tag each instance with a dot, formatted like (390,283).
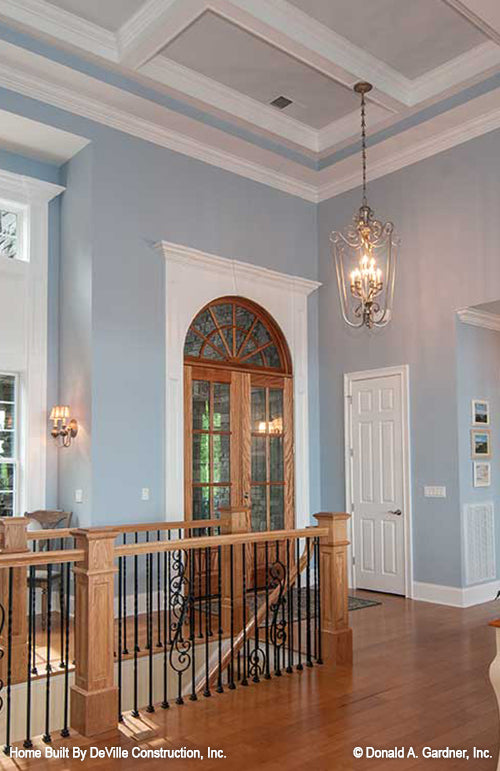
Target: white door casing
(378,479)
(193,279)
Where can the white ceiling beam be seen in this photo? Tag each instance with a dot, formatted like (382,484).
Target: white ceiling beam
(62,25)
(153,26)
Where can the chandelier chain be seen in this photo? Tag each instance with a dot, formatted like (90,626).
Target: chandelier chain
(363,146)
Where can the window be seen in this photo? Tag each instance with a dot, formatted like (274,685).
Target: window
(13,224)
(8,444)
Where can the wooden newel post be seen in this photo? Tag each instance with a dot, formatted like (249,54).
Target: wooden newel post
(336,635)
(13,540)
(235,520)
(94,697)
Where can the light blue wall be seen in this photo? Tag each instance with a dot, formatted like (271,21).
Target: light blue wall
(478,377)
(446,211)
(123,195)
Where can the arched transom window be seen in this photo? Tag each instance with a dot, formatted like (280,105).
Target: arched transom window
(233,332)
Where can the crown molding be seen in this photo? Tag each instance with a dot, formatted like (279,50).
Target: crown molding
(459,70)
(26,190)
(187,256)
(229,100)
(477,318)
(418,151)
(62,25)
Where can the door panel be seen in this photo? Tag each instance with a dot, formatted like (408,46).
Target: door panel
(377,483)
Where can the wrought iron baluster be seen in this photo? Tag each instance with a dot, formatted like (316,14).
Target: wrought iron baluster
(34,670)
(47,737)
(253,657)
(180,592)
(244,680)
(289,608)
(7,747)
(169,537)
(150,708)
(278,624)
(208,613)
(65,728)
(267,675)
(149,641)
(308,605)
(125,638)
(120,641)
(158,593)
(209,591)
(232,684)
(299,607)
(27,744)
(135,710)
(200,591)
(192,619)
(219,688)
(61,609)
(165,704)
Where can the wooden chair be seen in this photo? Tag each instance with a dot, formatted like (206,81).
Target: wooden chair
(48,520)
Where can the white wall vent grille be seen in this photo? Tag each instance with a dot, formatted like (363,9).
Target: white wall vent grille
(480,562)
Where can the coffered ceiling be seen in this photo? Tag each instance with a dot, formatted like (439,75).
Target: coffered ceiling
(216,66)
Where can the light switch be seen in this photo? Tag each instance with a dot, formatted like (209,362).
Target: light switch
(145,494)
(78,496)
(434,491)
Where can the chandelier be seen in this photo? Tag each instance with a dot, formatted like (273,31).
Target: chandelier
(365,256)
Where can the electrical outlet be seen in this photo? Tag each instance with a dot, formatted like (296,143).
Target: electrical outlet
(434,491)
(78,496)
(145,494)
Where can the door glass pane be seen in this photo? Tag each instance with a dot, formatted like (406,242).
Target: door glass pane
(201,405)
(201,458)
(204,323)
(220,499)
(201,503)
(211,353)
(7,385)
(221,407)
(259,409)
(277,507)
(7,413)
(275,410)
(192,346)
(259,459)
(259,508)
(220,468)
(276,459)
(224,314)
(244,318)
(272,357)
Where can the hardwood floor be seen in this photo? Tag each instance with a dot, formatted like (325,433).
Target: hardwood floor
(420,678)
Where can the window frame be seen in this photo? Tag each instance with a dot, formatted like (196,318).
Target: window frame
(15,460)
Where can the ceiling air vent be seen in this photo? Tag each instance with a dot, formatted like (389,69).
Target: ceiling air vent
(281,102)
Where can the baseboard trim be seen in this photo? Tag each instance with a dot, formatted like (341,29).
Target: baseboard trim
(455,596)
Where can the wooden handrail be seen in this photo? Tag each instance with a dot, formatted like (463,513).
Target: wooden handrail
(246,633)
(201,524)
(152,547)
(27,558)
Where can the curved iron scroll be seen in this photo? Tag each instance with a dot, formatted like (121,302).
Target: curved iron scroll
(2,651)
(180,600)
(277,574)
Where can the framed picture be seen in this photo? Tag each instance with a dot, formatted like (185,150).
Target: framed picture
(482,474)
(480,443)
(480,412)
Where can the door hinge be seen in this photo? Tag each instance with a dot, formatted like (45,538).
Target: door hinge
(351,452)
(354,560)
(349,399)
(352,508)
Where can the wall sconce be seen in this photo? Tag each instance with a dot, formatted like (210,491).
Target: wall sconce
(65,428)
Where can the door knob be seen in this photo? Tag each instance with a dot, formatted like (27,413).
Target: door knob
(396,513)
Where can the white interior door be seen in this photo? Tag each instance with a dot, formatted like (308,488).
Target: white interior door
(377,468)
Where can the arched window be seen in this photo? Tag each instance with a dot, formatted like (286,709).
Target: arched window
(232,331)
(238,415)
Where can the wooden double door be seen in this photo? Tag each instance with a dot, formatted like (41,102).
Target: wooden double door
(239,445)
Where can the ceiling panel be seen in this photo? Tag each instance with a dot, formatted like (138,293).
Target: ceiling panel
(110,14)
(228,54)
(413,36)
(37,140)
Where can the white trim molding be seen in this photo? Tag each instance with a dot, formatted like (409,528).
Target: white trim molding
(403,372)
(454,596)
(477,318)
(193,279)
(34,196)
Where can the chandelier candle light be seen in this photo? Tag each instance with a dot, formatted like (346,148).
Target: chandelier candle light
(373,245)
